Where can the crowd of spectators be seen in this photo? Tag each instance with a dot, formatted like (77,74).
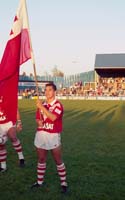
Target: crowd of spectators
(104,87)
(29,93)
(111,87)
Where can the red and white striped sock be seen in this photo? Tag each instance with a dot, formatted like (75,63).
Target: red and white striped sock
(41,169)
(18,147)
(62,174)
(3,157)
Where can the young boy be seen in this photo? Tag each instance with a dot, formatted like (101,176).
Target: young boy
(48,136)
(8,130)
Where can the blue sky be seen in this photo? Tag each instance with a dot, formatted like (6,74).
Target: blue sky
(68,33)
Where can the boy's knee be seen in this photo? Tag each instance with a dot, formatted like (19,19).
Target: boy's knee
(42,160)
(13,139)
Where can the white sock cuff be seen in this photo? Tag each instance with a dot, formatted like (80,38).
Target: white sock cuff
(41,165)
(4,151)
(62,166)
(16,143)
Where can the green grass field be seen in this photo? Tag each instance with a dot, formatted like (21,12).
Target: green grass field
(93,151)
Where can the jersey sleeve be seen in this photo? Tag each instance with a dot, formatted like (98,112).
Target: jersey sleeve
(58,110)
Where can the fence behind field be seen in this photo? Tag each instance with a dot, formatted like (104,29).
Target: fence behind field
(80,98)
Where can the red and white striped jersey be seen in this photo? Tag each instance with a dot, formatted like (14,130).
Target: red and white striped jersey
(50,126)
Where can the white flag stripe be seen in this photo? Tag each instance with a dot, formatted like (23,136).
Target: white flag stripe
(22,19)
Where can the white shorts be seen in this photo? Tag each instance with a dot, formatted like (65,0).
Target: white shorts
(47,141)
(3,131)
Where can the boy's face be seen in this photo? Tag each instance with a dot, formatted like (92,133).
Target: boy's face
(50,92)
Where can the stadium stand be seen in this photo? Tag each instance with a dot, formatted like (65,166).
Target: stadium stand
(110,77)
(106,80)
(68,85)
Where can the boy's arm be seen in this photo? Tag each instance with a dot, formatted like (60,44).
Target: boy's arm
(50,115)
(39,118)
(39,123)
(19,122)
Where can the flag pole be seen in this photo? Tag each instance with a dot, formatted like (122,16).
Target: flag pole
(32,56)
(35,74)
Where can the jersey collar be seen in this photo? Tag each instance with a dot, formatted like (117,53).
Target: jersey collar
(52,103)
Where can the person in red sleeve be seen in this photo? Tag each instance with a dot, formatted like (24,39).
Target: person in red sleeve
(48,136)
(8,130)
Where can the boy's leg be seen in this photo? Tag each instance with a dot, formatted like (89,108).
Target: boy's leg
(41,167)
(16,144)
(3,157)
(61,169)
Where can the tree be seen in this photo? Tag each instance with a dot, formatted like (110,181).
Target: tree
(57,73)
(31,75)
(24,74)
(46,73)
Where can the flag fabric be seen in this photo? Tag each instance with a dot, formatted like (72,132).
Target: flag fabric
(18,51)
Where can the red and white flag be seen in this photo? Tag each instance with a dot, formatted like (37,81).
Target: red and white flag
(18,50)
